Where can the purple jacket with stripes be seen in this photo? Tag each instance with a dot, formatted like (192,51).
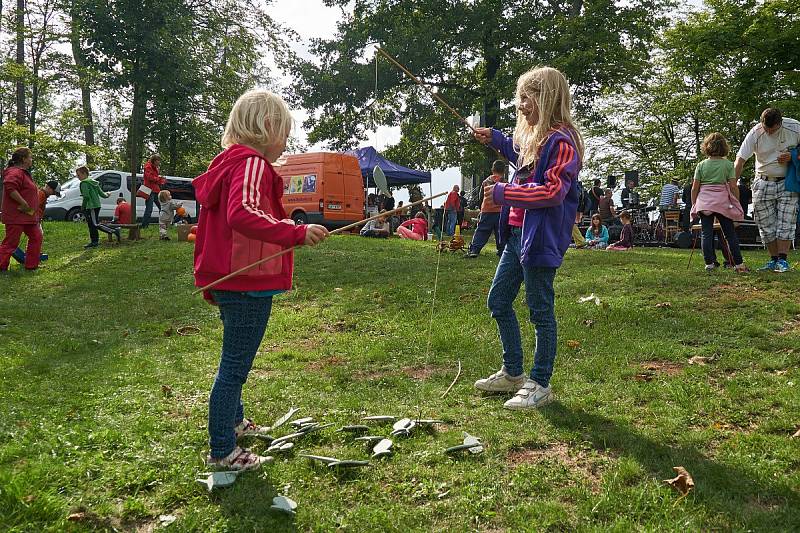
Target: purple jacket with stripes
(550,200)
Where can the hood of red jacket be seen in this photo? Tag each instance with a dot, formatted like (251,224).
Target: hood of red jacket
(208,186)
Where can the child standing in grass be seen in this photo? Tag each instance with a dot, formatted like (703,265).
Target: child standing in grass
(536,219)
(167,214)
(242,221)
(716,195)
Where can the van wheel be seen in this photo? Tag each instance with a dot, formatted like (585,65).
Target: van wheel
(300,218)
(75,215)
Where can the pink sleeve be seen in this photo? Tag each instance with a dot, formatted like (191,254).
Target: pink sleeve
(251,180)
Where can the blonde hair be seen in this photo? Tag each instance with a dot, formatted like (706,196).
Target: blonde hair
(164,196)
(259,117)
(548,89)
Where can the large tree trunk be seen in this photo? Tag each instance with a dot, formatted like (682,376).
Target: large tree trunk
(85,85)
(20,16)
(491,104)
(135,137)
(172,141)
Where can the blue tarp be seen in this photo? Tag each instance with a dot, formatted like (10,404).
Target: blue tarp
(396,175)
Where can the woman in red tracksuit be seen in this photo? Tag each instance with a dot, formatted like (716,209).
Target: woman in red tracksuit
(154,181)
(242,221)
(20,199)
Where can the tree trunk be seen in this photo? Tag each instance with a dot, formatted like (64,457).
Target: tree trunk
(20,16)
(491,104)
(172,140)
(135,136)
(85,85)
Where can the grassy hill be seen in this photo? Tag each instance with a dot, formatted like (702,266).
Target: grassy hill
(104,402)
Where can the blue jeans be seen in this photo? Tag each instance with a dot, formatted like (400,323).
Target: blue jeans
(450,222)
(244,320)
(540,297)
(487,223)
(148,209)
(726,225)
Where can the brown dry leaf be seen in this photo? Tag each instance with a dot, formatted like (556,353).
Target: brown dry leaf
(721,425)
(699,360)
(166,390)
(573,344)
(29,498)
(664,305)
(588,323)
(643,377)
(337,289)
(683,482)
(796,434)
(168,332)
(77,517)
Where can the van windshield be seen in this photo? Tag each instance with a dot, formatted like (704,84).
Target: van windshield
(70,184)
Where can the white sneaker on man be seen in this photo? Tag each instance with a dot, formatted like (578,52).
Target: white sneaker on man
(530,396)
(500,382)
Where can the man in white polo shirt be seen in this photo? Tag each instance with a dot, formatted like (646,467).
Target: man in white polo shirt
(774,208)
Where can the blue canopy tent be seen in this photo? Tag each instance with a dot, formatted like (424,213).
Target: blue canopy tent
(396,175)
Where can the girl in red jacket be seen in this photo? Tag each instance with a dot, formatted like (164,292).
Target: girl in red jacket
(241,221)
(20,199)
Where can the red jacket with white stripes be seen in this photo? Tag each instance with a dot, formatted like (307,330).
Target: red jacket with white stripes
(241,221)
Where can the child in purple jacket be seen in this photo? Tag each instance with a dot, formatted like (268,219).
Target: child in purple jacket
(538,212)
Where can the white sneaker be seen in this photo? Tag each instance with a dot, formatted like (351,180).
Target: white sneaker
(530,396)
(500,382)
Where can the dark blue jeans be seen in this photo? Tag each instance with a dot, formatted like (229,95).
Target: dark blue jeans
(148,209)
(487,223)
(450,218)
(726,224)
(540,297)
(244,320)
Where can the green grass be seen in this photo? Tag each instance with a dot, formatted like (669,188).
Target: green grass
(87,343)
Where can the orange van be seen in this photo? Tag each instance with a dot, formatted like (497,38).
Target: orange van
(322,188)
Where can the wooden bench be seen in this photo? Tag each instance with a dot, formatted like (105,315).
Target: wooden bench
(133,230)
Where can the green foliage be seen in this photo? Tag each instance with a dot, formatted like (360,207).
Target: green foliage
(471,53)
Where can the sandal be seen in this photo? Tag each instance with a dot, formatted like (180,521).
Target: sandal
(240,460)
(248,428)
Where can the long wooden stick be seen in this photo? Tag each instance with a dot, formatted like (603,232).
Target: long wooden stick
(339,230)
(438,98)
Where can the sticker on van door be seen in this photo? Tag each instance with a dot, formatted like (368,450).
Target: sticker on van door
(300,184)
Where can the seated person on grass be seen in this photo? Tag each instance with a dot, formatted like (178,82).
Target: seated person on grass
(376,228)
(625,241)
(596,234)
(414,228)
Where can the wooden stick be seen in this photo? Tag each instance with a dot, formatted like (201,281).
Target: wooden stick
(438,98)
(458,375)
(287,250)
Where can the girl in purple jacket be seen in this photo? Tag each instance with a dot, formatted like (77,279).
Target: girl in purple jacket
(539,206)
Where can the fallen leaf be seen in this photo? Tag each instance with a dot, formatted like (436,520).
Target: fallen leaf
(796,435)
(720,425)
(337,289)
(643,377)
(167,519)
(573,344)
(166,390)
(29,498)
(683,482)
(168,332)
(77,517)
(664,305)
(590,298)
(588,323)
(699,360)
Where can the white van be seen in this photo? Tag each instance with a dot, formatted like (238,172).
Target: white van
(68,206)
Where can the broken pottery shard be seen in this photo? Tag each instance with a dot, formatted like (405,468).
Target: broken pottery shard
(380,418)
(477,447)
(300,421)
(320,458)
(217,480)
(384,447)
(284,504)
(285,418)
(284,447)
(354,429)
(288,437)
(369,439)
(428,422)
(348,464)
(403,427)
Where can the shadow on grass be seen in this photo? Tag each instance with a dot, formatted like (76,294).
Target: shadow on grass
(726,489)
(247,506)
